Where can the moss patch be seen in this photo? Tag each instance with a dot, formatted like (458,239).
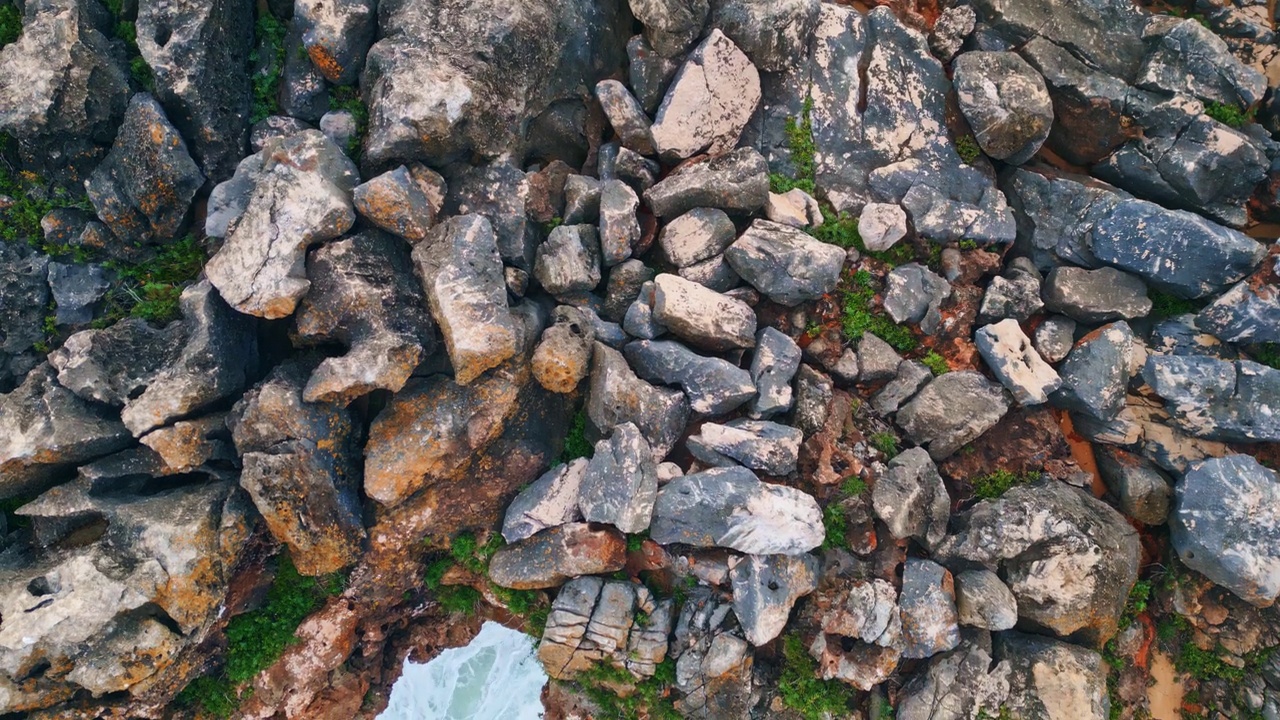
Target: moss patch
(993,485)
(10,24)
(858,319)
(32,198)
(936,363)
(967,148)
(799,135)
(1229,115)
(348,98)
(575,442)
(650,699)
(150,290)
(803,691)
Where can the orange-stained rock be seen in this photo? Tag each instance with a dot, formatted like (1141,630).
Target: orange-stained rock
(558,554)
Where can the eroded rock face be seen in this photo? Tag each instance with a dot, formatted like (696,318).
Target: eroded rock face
(550,557)
(713,661)
(593,620)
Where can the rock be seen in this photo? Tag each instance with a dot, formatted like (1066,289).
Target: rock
(617,396)
(730,507)
(709,102)
(1049,234)
(882,225)
(795,208)
(1095,296)
(560,553)
(1196,256)
(187,445)
(1009,354)
(700,234)
(639,321)
(1218,399)
(363,295)
(562,358)
(500,193)
(649,73)
(1015,295)
(952,27)
(340,126)
(626,116)
(813,395)
(787,265)
(397,202)
(713,661)
(76,290)
(1225,526)
(337,36)
(984,601)
(1054,337)
(702,317)
(763,446)
(291,195)
(581,199)
(1187,57)
(773,35)
(550,501)
(912,500)
(461,273)
(952,410)
(430,99)
(713,386)
(1096,373)
(1103,33)
(621,481)
(1052,679)
(301,464)
(594,621)
(304,94)
(736,182)
(861,632)
(914,294)
(911,376)
(1006,103)
(765,588)
(928,606)
(1069,559)
(619,229)
(877,360)
(1142,488)
(143,189)
(714,274)
(774,363)
(625,281)
(963,683)
(671,26)
(569,261)
(196,54)
(1248,312)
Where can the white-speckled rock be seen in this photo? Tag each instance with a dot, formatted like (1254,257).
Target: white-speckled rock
(709,103)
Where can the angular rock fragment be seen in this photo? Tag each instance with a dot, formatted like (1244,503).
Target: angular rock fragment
(713,661)
(700,234)
(710,100)
(765,588)
(550,501)
(1144,491)
(1096,373)
(911,376)
(914,294)
(877,360)
(795,208)
(671,26)
(621,481)
(1095,296)
(1054,337)
(761,445)
(861,632)
(962,683)
(337,36)
(562,358)
(626,116)
(953,26)
(1043,671)
(773,35)
(714,274)
(77,290)
(912,500)
(787,265)
(984,601)
(713,386)
(499,192)
(702,317)
(616,396)
(594,621)
(619,229)
(1013,295)
(1250,311)
(625,281)
(1006,103)
(569,261)
(1008,352)
(952,410)
(882,225)
(557,554)
(928,607)
(736,182)
(397,202)
(1218,399)
(775,362)
(1189,58)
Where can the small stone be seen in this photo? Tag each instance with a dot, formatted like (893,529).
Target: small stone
(914,294)
(561,553)
(636,170)
(397,203)
(1095,296)
(621,481)
(1055,337)
(76,290)
(966,682)
(1006,103)
(714,274)
(710,100)
(619,229)
(626,116)
(928,606)
(1015,295)
(775,362)
(700,234)
(1096,373)
(877,359)
(1012,359)
(616,396)
(787,265)
(702,317)
(813,396)
(713,386)
(340,126)
(912,500)
(984,601)
(951,411)
(911,376)
(1143,489)
(499,192)
(625,280)
(569,261)
(581,199)
(952,27)
(765,588)
(550,501)
(794,208)
(562,358)
(882,225)
(736,182)
(763,446)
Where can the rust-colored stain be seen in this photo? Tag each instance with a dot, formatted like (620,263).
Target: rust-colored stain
(1081,451)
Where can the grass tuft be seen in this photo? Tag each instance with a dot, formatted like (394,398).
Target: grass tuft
(936,363)
(1229,115)
(803,691)
(885,442)
(269,37)
(967,148)
(348,98)
(575,442)
(993,485)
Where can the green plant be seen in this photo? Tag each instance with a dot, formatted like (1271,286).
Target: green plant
(1205,665)
(215,695)
(858,318)
(32,200)
(575,442)
(647,700)
(840,230)
(853,486)
(115,7)
(885,442)
(995,484)
(1267,354)
(1164,305)
(1139,596)
(151,290)
(141,72)
(1172,626)
(348,98)
(836,527)
(799,136)
(803,691)
(967,244)
(10,24)
(552,224)
(936,363)
(1229,115)
(269,38)
(635,542)
(967,148)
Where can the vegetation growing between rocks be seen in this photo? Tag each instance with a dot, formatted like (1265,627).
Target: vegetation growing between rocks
(348,98)
(575,442)
(1267,353)
(467,553)
(32,200)
(803,691)
(1166,305)
(799,136)
(858,318)
(993,485)
(967,148)
(650,699)
(885,442)
(269,38)
(936,363)
(1229,115)
(150,290)
(10,24)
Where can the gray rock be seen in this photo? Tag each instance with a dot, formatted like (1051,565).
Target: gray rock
(337,36)
(730,507)
(500,193)
(698,235)
(912,500)
(616,396)
(671,26)
(581,199)
(550,501)
(710,99)
(928,606)
(649,73)
(713,661)
(1069,559)
(304,94)
(340,126)
(714,274)
(1006,103)
(619,229)
(736,182)
(761,445)
(1226,526)
(1054,337)
(397,201)
(946,205)
(951,411)
(787,265)
(1096,373)
(626,116)
(774,35)
(914,294)
(364,295)
(702,317)
(950,30)
(911,376)
(960,684)
(621,481)
(882,225)
(636,170)
(143,189)
(569,261)
(1056,216)
(1247,313)
(813,395)
(1178,335)
(1104,33)
(558,554)
(1095,296)
(984,601)
(638,320)
(795,208)
(1009,354)
(594,621)
(712,385)
(877,360)
(774,364)
(861,638)
(1187,57)
(1143,489)
(76,290)
(1218,399)
(461,273)
(1045,672)
(1014,295)
(765,588)
(625,280)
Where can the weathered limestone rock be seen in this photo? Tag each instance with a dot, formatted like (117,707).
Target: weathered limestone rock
(617,396)
(550,501)
(1016,294)
(787,265)
(959,684)
(928,606)
(1250,311)
(1054,337)
(736,182)
(1008,352)
(912,500)
(1189,58)
(702,317)
(1095,296)
(774,364)
(710,100)
(1218,399)
(1144,490)
(882,225)
(397,201)
(1006,103)
(621,481)
(337,35)
(670,26)
(700,234)
(1053,680)
(952,410)
(552,556)
(760,445)
(774,35)
(713,661)
(765,588)
(594,620)
(712,385)
(914,294)
(1096,373)
(795,208)
(861,632)
(619,229)
(984,601)
(562,358)
(77,291)
(625,116)
(569,261)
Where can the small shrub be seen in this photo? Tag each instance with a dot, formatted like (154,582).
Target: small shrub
(839,230)
(1206,665)
(1229,115)
(936,363)
(885,442)
(967,148)
(803,691)
(968,244)
(997,483)
(836,526)
(575,442)
(140,71)
(151,290)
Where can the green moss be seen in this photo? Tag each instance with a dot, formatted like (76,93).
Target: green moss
(967,148)
(649,699)
(10,24)
(1172,626)
(1206,665)
(150,290)
(9,505)
(840,230)
(1139,596)
(1229,115)
(885,442)
(968,244)
(575,442)
(936,363)
(997,483)
(269,38)
(799,137)
(127,31)
(32,200)
(115,7)
(140,71)
(803,691)
(348,98)
(1267,354)
(1165,305)
(552,224)
(858,318)
(853,486)
(635,542)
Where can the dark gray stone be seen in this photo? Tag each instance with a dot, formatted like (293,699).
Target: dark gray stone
(499,192)
(569,260)
(625,280)
(617,396)
(928,606)
(304,94)
(877,360)
(953,26)
(764,446)
(1006,103)
(671,26)
(911,376)
(621,481)
(1096,373)
(337,35)
(1056,215)
(1104,33)
(785,264)
(1013,295)
(581,199)
(774,364)
(649,73)
(1248,312)
(914,294)
(713,386)
(1054,337)
(76,291)
(1187,57)
(963,683)
(951,411)
(1095,296)
(715,274)
(736,182)
(1218,399)
(619,228)
(1142,488)
(813,395)
(774,35)
(626,116)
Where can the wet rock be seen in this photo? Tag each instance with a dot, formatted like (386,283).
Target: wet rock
(1096,373)
(773,35)
(621,481)
(713,661)
(550,501)
(364,296)
(1015,295)
(713,386)
(760,445)
(861,632)
(76,290)
(700,234)
(1143,489)
(984,601)
(765,588)
(562,358)
(912,500)
(702,317)
(1187,57)
(337,36)
(730,507)
(500,193)
(882,225)
(1226,525)
(1218,399)
(617,396)
(709,102)
(928,608)
(293,194)
(143,189)
(952,410)
(877,359)
(911,376)
(1068,558)
(397,202)
(569,261)
(619,229)
(1006,103)
(626,116)
(787,265)
(1095,296)
(774,364)
(1009,354)
(952,27)
(1248,312)
(1054,337)
(557,554)
(914,294)
(461,273)
(1052,679)
(963,683)
(736,182)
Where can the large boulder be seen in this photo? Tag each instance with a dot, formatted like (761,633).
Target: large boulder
(1006,103)
(1218,399)
(787,265)
(1053,680)
(774,35)
(710,100)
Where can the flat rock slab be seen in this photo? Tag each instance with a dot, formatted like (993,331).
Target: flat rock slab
(556,555)
(952,410)
(710,100)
